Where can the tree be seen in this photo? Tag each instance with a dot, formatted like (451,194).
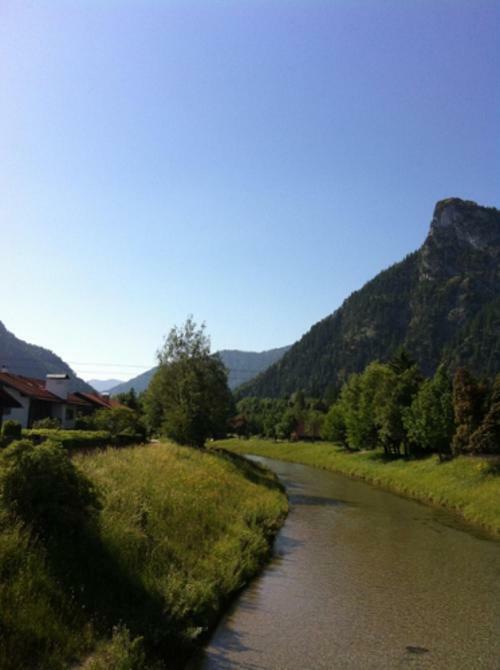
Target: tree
(119,420)
(486,439)
(468,400)
(334,428)
(129,399)
(429,421)
(188,398)
(395,396)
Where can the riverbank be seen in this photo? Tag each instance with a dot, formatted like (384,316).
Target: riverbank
(468,486)
(179,531)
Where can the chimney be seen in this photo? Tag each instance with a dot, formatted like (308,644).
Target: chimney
(58,385)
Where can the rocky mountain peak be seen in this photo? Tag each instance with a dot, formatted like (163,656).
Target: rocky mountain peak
(464,221)
(461,232)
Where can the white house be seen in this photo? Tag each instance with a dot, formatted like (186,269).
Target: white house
(26,399)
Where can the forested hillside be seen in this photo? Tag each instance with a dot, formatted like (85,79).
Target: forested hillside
(441,303)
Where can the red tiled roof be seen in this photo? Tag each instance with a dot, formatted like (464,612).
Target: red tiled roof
(34,388)
(99,400)
(74,399)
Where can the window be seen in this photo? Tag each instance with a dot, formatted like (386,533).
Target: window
(69,414)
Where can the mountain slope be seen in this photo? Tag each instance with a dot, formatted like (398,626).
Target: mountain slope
(440,303)
(103,385)
(31,360)
(242,366)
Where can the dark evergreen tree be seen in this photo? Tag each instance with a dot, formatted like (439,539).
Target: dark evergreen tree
(486,439)
(468,399)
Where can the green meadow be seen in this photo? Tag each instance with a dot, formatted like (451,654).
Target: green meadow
(178,532)
(469,486)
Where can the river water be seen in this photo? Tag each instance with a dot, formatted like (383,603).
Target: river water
(364,579)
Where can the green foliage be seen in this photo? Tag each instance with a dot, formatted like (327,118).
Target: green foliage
(120,653)
(71,439)
(179,531)
(11,430)
(129,399)
(334,427)
(41,487)
(468,408)
(429,420)
(49,423)
(486,438)
(119,421)
(188,398)
(395,397)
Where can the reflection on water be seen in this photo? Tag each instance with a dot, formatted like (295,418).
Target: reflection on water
(364,579)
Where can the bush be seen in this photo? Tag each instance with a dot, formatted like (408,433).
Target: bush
(40,486)
(71,439)
(49,423)
(11,430)
(119,421)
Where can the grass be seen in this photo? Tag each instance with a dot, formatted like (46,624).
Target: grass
(468,486)
(179,532)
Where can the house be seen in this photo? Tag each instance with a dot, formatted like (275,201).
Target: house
(25,399)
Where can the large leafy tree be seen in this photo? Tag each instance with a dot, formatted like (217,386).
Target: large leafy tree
(429,420)
(188,398)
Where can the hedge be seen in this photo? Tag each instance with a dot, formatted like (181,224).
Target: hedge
(81,439)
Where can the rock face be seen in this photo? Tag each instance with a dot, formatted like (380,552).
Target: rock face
(30,360)
(442,303)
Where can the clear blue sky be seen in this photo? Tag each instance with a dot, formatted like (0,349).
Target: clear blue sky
(248,162)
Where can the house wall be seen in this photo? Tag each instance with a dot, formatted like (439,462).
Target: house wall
(20,414)
(65,413)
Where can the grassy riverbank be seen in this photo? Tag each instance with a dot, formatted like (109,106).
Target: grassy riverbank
(468,486)
(179,531)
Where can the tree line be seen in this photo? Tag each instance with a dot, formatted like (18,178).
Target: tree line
(389,406)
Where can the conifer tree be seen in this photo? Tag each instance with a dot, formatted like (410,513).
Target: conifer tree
(486,439)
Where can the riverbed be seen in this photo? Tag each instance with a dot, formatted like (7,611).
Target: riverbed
(364,579)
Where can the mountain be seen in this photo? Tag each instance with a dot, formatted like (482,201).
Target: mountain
(103,385)
(442,303)
(29,360)
(242,366)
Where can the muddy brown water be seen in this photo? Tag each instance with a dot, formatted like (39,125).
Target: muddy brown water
(364,579)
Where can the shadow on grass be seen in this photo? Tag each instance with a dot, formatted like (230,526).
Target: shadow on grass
(109,595)
(254,472)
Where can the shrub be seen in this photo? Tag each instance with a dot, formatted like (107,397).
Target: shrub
(71,439)
(11,430)
(119,420)
(49,423)
(40,486)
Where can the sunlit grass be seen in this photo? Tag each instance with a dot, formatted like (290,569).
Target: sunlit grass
(468,486)
(180,531)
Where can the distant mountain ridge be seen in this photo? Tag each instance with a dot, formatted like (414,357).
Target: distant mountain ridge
(242,366)
(103,385)
(442,303)
(30,360)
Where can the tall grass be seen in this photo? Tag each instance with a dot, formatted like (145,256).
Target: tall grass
(179,531)
(469,486)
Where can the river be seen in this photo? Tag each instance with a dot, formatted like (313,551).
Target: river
(364,579)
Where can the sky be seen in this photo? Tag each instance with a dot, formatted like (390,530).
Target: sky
(248,162)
